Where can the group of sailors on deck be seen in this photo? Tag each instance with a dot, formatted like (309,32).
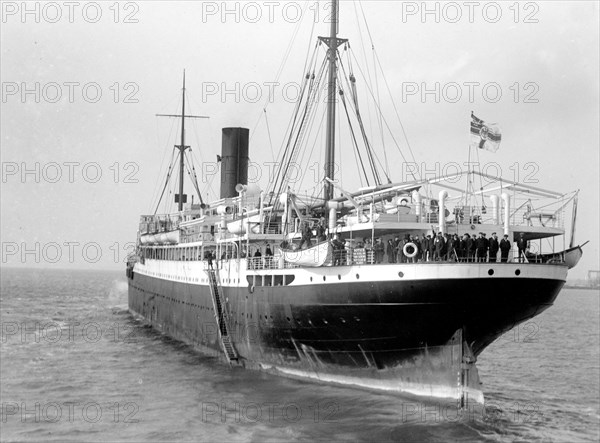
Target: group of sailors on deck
(428,248)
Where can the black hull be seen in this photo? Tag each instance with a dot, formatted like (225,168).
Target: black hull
(409,336)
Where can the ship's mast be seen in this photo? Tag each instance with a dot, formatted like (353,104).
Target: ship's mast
(182,147)
(333,43)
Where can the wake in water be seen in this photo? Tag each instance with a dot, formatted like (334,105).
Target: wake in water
(117,296)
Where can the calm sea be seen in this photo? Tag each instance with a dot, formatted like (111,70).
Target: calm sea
(76,367)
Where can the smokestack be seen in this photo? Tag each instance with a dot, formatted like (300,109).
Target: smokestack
(234,160)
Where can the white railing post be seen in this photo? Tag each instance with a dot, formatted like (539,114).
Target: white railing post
(506,200)
(442,211)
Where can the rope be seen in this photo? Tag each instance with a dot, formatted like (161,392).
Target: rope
(384,120)
(165,186)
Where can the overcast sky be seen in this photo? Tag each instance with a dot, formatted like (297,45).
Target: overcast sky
(81,86)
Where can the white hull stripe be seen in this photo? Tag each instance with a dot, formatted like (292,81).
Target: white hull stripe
(193,273)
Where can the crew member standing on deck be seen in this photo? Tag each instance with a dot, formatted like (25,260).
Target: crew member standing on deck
(378,248)
(494,246)
(439,247)
(268,256)
(339,250)
(522,245)
(391,251)
(504,248)
(423,247)
(455,248)
(447,246)
(430,248)
(480,248)
(469,248)
(487,247)
(306,235)
(321,230)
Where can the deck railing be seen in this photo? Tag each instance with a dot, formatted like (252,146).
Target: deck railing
(362,256)
(528,216)
(152,224)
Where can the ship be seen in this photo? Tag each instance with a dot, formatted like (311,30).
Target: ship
(350,287)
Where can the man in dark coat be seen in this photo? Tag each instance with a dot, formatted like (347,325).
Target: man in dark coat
(455,252)
(321,230)
(504,249)
(339,250)
(487,247)
(447,247)
(463,248)
(306,235)
(378,249)
(494,246)
(481,247)
(469,248)
(430,248)
(439,247)
(400,257)
(391,251)
(424,247)
(522,245)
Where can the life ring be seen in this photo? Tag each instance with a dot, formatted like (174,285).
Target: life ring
(473,227)
(404,202)
(413,246)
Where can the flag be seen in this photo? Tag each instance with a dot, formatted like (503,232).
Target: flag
(484,135)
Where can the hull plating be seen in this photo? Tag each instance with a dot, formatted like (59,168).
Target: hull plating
(400,336)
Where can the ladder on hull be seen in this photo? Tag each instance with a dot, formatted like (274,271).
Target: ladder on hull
(221,317)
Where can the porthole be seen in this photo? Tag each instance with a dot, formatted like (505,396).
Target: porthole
(491,272)
(518,272)
(357,276)
(311,279)
(400,274)
(339,277)
(324,278)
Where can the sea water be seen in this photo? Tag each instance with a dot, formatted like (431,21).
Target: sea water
(75,366)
